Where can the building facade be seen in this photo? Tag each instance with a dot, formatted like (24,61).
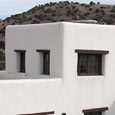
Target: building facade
(62,67)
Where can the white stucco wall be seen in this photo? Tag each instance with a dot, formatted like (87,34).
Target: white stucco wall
(30,38)
(65,91)
(91,91)
(30,96)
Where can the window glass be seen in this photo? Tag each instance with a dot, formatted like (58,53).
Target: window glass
(93,113)
(89,64)
(22,61)
(83,64)
(46,58)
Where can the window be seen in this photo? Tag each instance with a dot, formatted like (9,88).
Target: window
(95,111)
(90,62)
(45,61)
(21,54)
(46,57)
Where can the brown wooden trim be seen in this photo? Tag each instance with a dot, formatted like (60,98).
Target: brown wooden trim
(42,50)
(41,113)
(45,53)
(20,50)
(95,110)
(91,51)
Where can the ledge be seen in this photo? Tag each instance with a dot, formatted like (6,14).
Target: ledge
(95,110)
(42,50)
(42,113)
(91,51)
(20,50)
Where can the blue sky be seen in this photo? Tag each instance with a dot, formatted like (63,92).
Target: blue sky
(11,7)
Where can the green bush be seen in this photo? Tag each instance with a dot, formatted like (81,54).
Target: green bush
(97,10)
(2,60)
(103,12)
(92,3)
(112,15)
(98,2)
(1,31)
(29,18)
(90,9)
(2,56)
(86,14)
(73,7)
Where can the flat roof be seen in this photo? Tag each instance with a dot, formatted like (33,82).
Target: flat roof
(60,23)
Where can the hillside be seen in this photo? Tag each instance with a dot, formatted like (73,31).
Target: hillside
(53,12)
(62,11)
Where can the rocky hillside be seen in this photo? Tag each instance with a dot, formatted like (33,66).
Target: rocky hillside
(62,11)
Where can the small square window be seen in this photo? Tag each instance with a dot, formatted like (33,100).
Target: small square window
(90,62)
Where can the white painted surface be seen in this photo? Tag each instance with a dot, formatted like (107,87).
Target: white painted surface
(67,92)
(30,38)
(29,96)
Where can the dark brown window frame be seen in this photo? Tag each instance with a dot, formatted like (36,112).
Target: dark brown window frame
(92,51)
(22,65)
(20,50)
(98,53)
(102,109)
(41,113)
(45,54)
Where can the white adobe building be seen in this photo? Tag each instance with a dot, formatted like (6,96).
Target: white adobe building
(66,68)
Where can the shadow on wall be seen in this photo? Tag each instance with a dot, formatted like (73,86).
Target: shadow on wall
(111,110)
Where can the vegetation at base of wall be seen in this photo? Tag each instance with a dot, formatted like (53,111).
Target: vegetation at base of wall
(2,60)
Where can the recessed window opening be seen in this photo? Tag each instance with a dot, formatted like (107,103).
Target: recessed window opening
(90,62)
(45,61)
(95,111)
(21,60)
